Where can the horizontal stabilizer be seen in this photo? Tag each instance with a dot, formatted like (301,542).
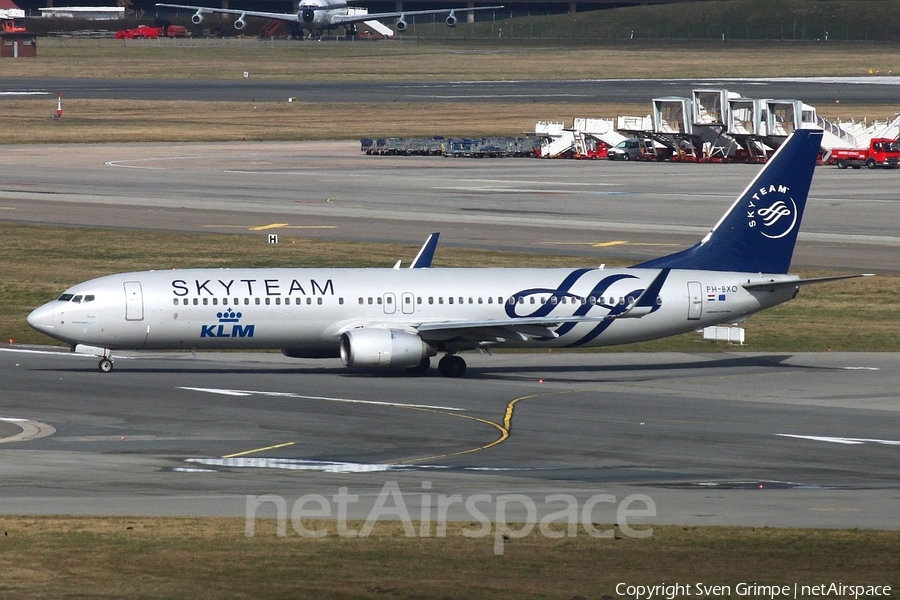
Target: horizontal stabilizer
(789,283)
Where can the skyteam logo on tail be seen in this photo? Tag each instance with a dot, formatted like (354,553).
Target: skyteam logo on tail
(773,211)
(229,327)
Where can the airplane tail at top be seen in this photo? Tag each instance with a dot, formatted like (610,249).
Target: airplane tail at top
(758,232)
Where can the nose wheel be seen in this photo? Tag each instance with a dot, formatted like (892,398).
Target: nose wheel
(452,366)
(106,365)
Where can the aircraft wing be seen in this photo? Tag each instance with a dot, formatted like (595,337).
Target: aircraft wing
(350,19)
(292,17)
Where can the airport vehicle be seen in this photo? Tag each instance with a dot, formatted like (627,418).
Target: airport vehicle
(632,149)
(150,33)
(318,16)
(400,318)
(139,33)
(11,20)
(882,152)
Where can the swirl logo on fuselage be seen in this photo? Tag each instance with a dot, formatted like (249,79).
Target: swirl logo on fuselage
(553,298)
(773,211)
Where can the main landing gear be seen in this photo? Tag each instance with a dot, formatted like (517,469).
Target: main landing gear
(452,366)
(106,364)
(449,366)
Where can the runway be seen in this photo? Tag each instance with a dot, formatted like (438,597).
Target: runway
(713,439)
(603,210)
(734,438)
(871,90)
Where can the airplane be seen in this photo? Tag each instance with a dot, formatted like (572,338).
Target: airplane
(317,16)
(400,318)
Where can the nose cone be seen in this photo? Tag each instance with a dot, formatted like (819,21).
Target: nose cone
(43,318)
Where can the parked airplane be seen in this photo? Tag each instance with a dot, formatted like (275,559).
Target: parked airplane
(401,317)
(317,16)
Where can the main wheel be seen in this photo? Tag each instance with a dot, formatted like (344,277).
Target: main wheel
(452,366)
(106,365)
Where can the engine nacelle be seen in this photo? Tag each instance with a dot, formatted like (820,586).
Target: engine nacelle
(378,347)
(451,19)
(240,23)
(307,15)
(197,18)
(401,24)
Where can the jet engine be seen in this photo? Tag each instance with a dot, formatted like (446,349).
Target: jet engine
(197,17)
(401,24)
(451,19)
(307,15)
(377,347)
(240,23)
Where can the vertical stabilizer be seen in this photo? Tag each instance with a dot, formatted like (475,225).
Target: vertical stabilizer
(758,233)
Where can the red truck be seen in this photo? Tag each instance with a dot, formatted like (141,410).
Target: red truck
(882,152)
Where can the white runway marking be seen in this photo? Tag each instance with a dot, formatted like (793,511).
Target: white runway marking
(840,440)
(324,398)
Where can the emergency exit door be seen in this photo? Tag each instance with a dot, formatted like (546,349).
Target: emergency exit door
(695,300)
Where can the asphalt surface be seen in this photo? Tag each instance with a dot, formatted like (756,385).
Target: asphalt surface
(815,91)
(603,210)
(734,438)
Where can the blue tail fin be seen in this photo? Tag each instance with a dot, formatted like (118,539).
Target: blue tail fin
(758,232)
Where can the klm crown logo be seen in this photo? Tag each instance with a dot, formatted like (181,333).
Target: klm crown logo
(223,330)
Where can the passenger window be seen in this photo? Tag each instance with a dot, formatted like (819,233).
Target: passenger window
(215,301)
(268,301)
(278,301)
(361,300)
(450,300)
(205,301)
(196,302)
(246,301)
(341,301)
(319,301)
(175,301)
(256,301)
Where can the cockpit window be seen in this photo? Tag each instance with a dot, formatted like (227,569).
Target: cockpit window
(78,299)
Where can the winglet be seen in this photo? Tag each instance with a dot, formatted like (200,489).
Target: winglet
(758,233)
(426,253)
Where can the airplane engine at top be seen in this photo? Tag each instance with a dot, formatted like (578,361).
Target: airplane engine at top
(380,347)
(451,19)
(197,18)
(240,23)
(401,24)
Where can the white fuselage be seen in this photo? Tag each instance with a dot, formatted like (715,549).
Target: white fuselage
(310,308)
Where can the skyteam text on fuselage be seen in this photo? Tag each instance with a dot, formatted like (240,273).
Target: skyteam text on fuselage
(400,318)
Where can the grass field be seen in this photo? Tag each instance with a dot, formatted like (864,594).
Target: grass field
(131,558)
(817,320)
